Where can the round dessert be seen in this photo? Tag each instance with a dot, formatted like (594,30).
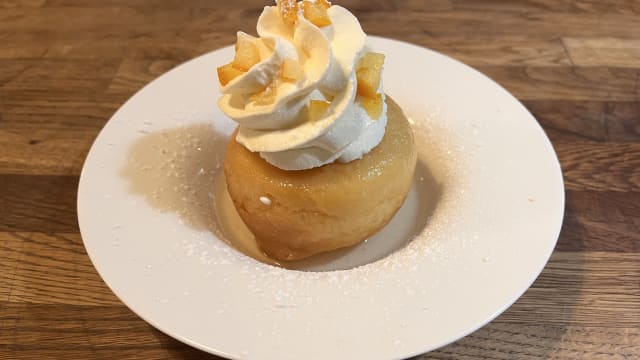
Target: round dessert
(296,214)
(321,158)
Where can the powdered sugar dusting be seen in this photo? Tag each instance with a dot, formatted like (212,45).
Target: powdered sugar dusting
(182,165)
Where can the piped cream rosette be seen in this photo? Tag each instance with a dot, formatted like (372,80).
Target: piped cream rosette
(295,90)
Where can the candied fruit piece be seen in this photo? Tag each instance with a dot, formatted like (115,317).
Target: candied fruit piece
(288,11)
(324,3)
(317,108)
(291,70)
(316,13)
(266,96)
(227,73)
(368,73)
(373,105)
(246,56)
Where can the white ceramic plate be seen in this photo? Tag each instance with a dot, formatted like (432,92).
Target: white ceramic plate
(477,229)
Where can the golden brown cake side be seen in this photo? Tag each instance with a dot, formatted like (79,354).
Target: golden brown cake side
(306,212)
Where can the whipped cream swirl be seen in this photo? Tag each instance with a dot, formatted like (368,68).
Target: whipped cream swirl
(281,130)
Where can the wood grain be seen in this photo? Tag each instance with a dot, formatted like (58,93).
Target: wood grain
(601,221)
(594,166)
(571,6)
(67,65)
(21,3)
(567,83)
(507,51)
(487,24)
(134,74)
(39,203)
(603,51)
(542,342)
(588,120)
(44,152)
(10,70)
(43,274)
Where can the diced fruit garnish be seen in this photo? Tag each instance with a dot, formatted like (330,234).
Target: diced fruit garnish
(291,70)
(288,11)
(317,108)
(246,56)
(373,105)
(368,73)
(325,3)
(316,13)
(266,96)
(227,73)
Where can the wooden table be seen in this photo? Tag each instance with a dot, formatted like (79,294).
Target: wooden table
(67,65)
